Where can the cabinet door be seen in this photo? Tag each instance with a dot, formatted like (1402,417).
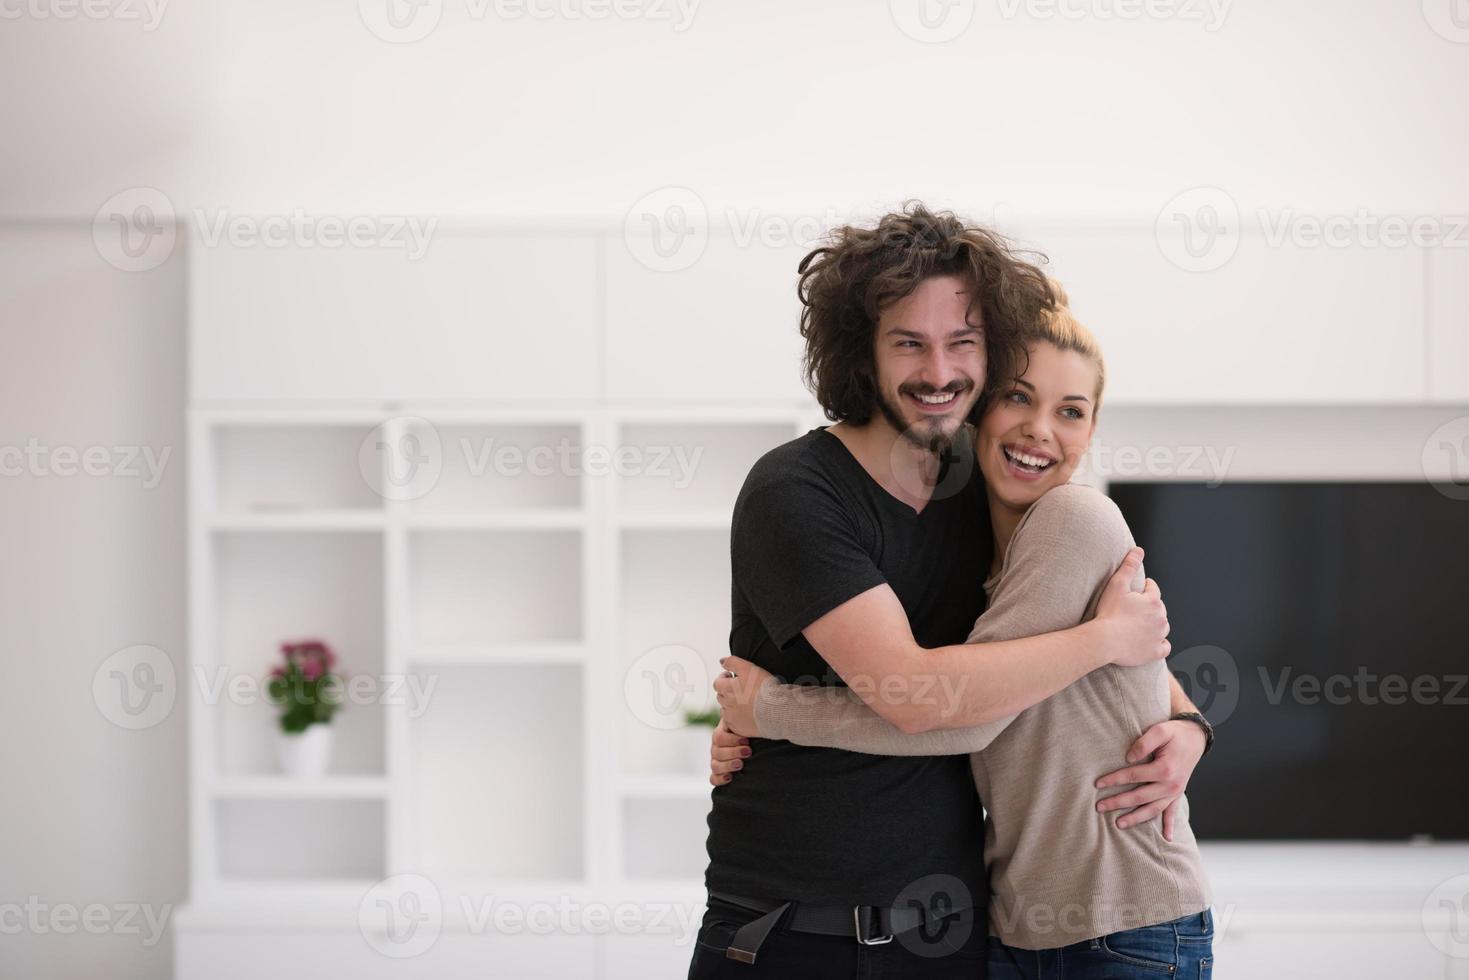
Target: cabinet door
(475,317)
(722,325)
(1275,324)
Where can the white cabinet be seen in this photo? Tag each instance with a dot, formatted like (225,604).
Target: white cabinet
(725,327)
(474,318)
(1275,324)
(1448,324)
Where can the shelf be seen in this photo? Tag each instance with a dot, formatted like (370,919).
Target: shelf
(293,467)
(527,654)
(694,520)
(538,519)
(664,839)
(694,469)
(497,775)
(679,787)
(503,468)
(320,520)
(300,840)
(499,586)
(674,628)
(281,788)
(277,587)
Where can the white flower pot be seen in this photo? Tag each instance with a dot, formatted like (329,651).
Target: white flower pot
(304,755)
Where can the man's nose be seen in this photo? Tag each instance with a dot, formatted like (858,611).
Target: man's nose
(939,368)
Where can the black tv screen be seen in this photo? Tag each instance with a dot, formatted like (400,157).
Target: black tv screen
(1324,629)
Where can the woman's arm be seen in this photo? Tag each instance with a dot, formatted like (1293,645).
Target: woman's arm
(1060,558)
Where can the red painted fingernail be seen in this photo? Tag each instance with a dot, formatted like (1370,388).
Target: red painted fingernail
(744,753)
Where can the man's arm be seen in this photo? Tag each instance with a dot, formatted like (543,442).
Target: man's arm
(868,642)
(797,556)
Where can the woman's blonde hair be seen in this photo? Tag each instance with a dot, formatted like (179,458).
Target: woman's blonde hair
(1061,328)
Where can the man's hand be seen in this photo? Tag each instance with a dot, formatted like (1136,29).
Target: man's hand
(737,694)
(1175,748)
(727,754)
(1137,622)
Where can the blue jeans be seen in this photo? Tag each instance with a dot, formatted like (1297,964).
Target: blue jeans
(1181,949)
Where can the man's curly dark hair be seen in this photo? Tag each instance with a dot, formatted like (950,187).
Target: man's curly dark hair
(846,284)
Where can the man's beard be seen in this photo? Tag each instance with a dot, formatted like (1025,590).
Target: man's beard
(930,434)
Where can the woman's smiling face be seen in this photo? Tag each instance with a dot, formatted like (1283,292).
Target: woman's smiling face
(1038,427)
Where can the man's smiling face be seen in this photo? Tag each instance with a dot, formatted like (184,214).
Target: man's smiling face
(930,361)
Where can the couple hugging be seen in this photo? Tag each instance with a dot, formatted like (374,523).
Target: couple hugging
(950,746)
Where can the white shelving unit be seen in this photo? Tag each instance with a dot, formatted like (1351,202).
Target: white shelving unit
(507,610)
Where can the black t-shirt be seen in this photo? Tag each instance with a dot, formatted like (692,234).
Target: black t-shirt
(812,529)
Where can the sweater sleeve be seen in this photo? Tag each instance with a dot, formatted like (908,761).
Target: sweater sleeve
(1061,555)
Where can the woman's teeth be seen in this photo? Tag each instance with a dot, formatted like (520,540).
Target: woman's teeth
(1027,462)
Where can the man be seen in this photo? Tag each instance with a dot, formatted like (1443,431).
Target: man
(858,553)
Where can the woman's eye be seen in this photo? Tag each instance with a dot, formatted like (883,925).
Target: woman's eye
(1018,397)
(1073,413)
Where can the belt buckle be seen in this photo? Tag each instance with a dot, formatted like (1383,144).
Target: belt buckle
(862,938)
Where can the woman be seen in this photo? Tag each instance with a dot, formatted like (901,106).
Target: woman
(1070,890)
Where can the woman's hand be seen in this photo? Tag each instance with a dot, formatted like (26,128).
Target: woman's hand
(1176,748)
(727,754)
(1137,622)
(737,694)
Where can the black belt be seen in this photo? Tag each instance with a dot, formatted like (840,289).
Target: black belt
(869,925)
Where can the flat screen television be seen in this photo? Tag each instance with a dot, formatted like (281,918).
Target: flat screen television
(1324,629)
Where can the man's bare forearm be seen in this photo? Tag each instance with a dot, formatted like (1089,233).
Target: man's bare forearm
(976,683)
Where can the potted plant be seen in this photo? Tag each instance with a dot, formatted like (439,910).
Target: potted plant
(308,691)
(700,726)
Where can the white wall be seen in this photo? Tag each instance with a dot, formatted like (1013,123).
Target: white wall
(759,104)
(93,813)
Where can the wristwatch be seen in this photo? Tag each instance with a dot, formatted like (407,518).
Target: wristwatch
(1202,722)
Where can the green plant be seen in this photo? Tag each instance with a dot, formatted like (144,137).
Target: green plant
(708,717)
(305,687)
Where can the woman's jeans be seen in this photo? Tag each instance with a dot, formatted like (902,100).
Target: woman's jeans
(1182,949)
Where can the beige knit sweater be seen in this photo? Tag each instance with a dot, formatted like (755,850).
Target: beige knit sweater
(1060,872)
